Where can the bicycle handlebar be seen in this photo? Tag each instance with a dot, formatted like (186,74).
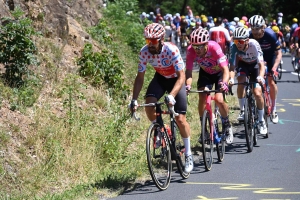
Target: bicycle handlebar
(209,91)
(170,109)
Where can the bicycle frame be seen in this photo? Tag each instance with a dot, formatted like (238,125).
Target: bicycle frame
(208,100)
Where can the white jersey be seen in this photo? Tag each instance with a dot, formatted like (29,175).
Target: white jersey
(252,55)
(166,63)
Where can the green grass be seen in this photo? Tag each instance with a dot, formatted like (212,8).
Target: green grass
(73,140)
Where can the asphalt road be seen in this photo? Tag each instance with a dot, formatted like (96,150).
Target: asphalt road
(271,171)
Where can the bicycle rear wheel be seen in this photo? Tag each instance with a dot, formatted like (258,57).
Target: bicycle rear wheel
(180,150)
(266,103)
(221,145)
(279,71)
(207,145)
(298,70)
(158,159)
(248,123)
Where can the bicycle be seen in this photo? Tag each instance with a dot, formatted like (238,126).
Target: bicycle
(250,115)
(296,65)
(159,159)
(211,132)
(280,69)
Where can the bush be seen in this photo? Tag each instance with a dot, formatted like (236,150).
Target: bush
(16,47)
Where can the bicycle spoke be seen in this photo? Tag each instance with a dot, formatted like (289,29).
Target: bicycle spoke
(207,143)
(158,158)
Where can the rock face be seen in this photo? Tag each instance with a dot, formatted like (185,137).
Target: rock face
(58,18)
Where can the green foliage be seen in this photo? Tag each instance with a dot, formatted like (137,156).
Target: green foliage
(101,32)
(16,48)
(103,68)
(71,93)
(126,26)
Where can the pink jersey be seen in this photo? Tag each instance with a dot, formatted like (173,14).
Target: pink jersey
(166,63)
(213,61)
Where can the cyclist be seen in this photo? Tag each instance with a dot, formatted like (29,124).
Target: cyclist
(280,36)
(247,57)
(213,71)
(294,46)
(272,55)
(182,31)
(170,76)
(220,35)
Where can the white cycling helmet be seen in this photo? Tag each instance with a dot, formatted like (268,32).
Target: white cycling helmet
(154,31)
(199,36)
(240,33)
(257,21)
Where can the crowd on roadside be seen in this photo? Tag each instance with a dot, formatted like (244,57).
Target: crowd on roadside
(174,22)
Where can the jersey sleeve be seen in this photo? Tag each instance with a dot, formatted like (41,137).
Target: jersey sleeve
(190,57)
(143,59)
(275,42)
(221,58)
(177,59)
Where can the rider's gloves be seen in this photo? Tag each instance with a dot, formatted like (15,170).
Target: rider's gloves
(187,88)
(171,99)
(260,79)
(224,86)
(274,72)
(231,81)
(133,104)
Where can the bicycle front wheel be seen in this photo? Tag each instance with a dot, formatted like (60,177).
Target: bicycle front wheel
(158,157)
(207,145)
(180,150)
(248,123)
(279,71)
(221,145)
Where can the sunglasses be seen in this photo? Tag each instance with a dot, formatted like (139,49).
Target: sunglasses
(239,42)
(198,47)
(152,41)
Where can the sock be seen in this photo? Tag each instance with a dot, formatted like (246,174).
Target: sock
(187,145)
(261,115)
(274,105)
(242,103)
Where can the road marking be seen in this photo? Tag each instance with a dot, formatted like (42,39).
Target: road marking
(294,104)
(298,150)
(281,121)
(206,198)
(292,100)
(280,110)
(235,186)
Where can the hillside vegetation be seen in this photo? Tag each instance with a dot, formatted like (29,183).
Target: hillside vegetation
(65,129)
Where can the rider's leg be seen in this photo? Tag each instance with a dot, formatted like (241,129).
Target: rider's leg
(259,102)
(273,92)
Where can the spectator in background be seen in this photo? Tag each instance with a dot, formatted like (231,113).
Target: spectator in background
(294,26)
(151,17)
(279,20)
(287,31)
(143,19)
(189,12)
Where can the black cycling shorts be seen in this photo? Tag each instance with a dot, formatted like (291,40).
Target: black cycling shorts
(249,70)
(208,80)
(158,87)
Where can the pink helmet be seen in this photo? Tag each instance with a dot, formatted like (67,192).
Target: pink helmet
(154,31)
(245,18)
(199,36)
